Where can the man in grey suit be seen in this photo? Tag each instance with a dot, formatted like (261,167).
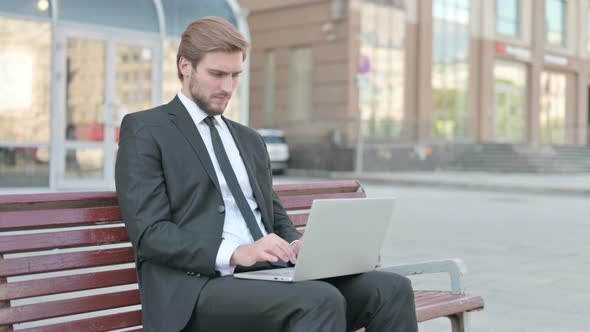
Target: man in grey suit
(196,195)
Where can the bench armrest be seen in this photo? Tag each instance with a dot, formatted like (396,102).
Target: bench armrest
(454,267)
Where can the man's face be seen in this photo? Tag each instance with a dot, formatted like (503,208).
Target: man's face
(211,84)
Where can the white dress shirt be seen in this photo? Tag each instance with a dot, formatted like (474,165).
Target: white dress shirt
(235,230)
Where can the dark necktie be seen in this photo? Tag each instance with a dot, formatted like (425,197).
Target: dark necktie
(232,181)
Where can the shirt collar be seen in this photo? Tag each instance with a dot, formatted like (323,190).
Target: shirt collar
(196,113)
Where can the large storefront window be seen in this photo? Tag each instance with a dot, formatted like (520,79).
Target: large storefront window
(300,84)
(232,111)
(24,102)
(510,102)
(450,61)
(381,69)
(507,17)
(85,98)
(85,89)
(171,84)
(133,81)
(269,86)
(24,87)
(553,105)
(555,22)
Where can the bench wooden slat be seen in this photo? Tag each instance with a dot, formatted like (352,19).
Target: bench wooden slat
(71,283)
(37,311)
(102,323)
(421,294)
(299,219)
(445,306)
(58,262)
(304,202)
(57,197)
(316,188)
(22,220)
(437,298)
(428,294)
(66,239)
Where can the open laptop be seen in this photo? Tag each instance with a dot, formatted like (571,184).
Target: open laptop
(342,237)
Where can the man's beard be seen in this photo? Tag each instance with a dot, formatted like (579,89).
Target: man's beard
(201,101)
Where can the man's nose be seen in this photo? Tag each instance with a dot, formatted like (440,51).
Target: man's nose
(227,85)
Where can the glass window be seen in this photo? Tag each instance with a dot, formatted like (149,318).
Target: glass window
(179,13)
(507,17)
(112,13)
(510,101)
(25,99)
(232,110)
(300,84)
(171,84)
(450,62)
(135,93)
(381,70)
(269,86)
(555,22)
(553,104)
(25,67)
(274,139)
(85,90)
(24,166)
(456,11)
(84,163)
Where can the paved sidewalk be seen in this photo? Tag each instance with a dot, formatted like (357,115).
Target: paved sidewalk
(565,184)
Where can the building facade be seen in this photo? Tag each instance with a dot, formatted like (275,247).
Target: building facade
(358,84)
(71,69)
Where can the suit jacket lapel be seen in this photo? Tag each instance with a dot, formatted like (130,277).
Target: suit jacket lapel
(253,182)
(183,121)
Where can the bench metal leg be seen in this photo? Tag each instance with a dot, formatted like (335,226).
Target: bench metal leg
(457,322)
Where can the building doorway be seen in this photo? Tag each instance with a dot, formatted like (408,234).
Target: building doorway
(102,77)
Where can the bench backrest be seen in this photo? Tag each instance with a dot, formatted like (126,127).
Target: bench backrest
(66,261)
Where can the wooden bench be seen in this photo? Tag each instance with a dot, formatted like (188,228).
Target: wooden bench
(66,262)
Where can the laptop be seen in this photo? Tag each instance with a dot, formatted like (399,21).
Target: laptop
(342,237)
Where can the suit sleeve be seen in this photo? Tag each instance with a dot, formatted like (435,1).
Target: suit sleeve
(142,194)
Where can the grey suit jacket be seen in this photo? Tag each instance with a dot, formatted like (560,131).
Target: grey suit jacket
(173,209)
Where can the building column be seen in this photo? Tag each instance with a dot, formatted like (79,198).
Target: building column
(353,111)
(411,92)
(481,68)
(241,16)
(423,86)
(533,136)
(581,136)
(583,93)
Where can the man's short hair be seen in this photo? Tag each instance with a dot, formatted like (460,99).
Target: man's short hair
(209,34)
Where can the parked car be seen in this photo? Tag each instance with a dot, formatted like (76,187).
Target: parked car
(278,150)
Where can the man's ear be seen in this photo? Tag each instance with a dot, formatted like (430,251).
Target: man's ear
(185,66)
